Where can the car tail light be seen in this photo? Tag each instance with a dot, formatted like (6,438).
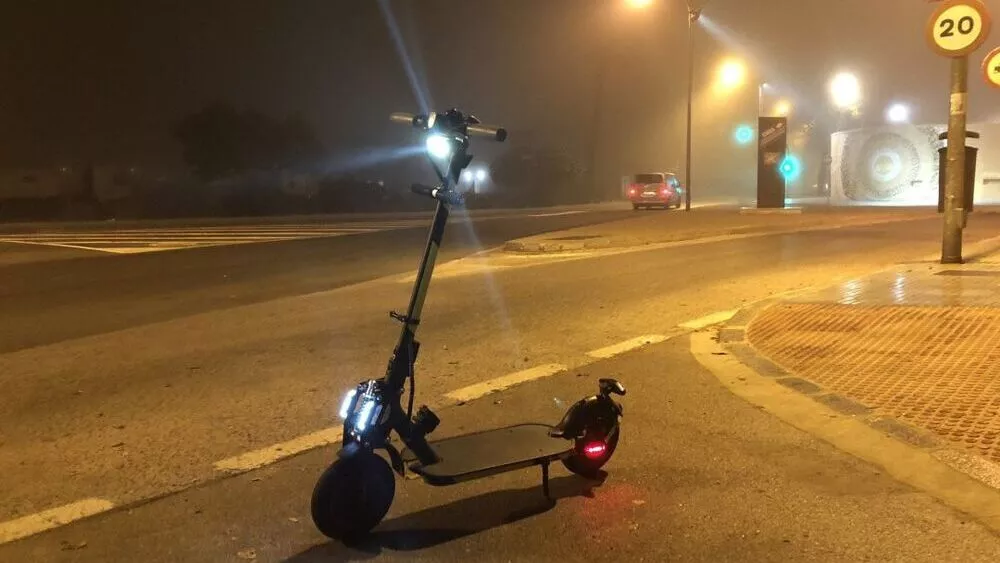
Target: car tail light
(631,191)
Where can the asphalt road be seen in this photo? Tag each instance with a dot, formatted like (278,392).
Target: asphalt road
(49,294)
(152,407)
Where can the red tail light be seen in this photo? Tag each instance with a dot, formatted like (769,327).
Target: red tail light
(631,191)
(595,450)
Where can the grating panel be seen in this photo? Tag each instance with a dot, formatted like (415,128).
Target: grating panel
(933,367)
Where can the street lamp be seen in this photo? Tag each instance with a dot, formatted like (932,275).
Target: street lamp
(782,108)
(480,178)
(639,3)
(898,113)
(732,74)
(845,91)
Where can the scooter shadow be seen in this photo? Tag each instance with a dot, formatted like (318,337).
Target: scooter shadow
(441,524)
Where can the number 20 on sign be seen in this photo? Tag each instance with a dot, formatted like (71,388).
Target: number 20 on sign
(959,27)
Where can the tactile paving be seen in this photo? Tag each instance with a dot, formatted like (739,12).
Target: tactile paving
(933,367)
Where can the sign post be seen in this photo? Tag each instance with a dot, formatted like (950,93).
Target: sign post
(955,30)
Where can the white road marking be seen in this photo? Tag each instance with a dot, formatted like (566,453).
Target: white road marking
(133,241)
(52,518)
(500,383)
(622,347)
(271,454)
(60,516)
(556,214)
(709,320)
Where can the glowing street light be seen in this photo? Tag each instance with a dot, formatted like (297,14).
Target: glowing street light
(639,3)
(782,108)
(845,91)
(732,74)
(898,113)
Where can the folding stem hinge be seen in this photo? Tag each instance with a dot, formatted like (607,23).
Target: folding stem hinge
(403,318)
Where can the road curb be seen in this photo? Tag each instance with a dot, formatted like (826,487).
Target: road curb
(553,243)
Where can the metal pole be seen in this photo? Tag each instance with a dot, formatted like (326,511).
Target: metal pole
(692,16)
(954,211)
(756,141)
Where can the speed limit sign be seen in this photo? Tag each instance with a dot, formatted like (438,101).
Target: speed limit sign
(958,27)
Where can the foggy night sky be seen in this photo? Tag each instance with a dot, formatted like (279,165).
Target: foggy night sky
(107,80)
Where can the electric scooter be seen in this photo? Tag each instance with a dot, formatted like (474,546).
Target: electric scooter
(355,492)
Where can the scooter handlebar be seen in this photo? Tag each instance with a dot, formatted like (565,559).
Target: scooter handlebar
(401,117)
(498,134)
(421,189)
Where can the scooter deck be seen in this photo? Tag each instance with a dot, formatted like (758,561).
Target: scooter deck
(482,454)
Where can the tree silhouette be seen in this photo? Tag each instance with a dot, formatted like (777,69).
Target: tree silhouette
(219,141)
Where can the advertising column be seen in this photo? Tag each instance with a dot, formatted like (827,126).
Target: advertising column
(772,147)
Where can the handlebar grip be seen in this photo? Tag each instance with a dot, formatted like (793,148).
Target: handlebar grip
(421,189)
(401,117)
(498,133)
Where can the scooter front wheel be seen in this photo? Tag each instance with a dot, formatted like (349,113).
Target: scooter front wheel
(352,496)
(587,464)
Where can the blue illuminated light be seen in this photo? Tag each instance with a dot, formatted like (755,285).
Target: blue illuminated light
(744,134)
(790,168)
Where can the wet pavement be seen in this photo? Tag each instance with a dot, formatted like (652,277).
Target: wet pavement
(917,343)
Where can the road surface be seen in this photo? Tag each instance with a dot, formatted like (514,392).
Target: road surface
(151,413)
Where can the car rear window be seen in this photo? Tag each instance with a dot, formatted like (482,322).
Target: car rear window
(648,178)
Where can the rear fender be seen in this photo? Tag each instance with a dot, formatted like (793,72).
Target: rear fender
(595,414)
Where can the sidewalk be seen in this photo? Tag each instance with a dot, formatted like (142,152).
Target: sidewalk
(657,227)
(913,351)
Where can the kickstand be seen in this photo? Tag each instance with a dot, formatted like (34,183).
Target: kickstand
(545,480)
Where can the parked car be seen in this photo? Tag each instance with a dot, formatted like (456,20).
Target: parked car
(657,189)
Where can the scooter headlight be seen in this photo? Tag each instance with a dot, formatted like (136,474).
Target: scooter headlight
(439,147)
(347,403)
(370,409)
(362,407)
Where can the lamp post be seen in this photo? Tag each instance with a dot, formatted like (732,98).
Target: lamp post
(693,16)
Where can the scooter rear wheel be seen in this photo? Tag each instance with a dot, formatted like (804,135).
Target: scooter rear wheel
(352,496)
(584,466)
